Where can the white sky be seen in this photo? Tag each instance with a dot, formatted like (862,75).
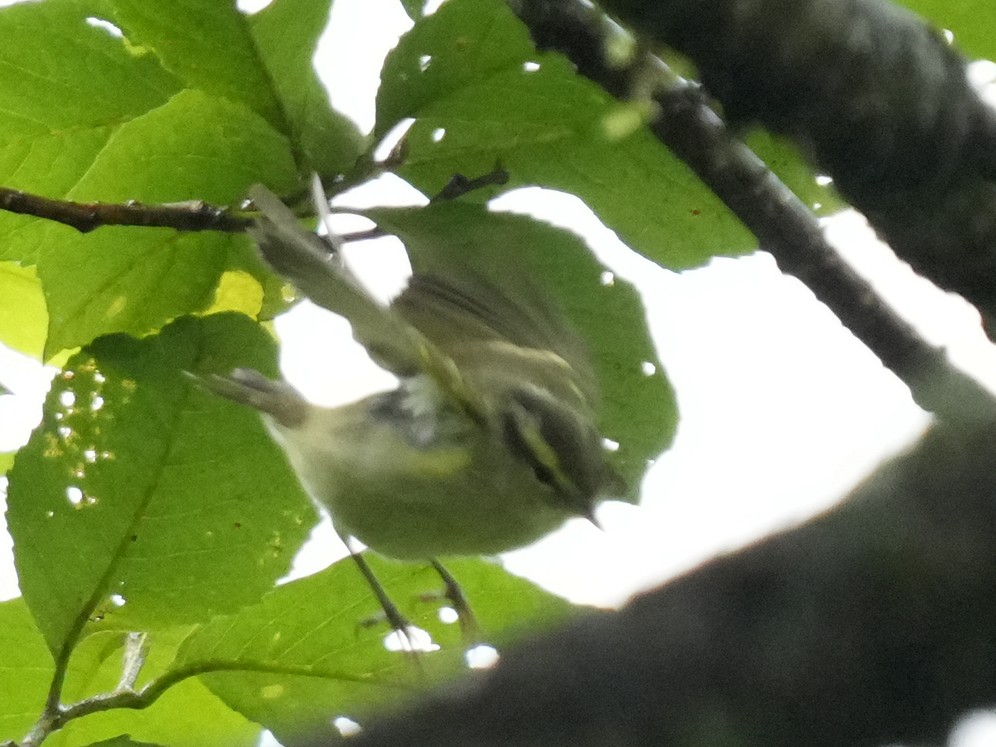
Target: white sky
(782,409)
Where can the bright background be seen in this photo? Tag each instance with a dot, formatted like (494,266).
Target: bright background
(782,410)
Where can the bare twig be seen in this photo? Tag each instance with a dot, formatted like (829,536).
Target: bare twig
(86,216)
(459,185)
(136,649)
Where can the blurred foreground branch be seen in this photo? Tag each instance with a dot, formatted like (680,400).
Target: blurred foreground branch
(870,625)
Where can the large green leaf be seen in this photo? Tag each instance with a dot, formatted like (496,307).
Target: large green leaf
(133,132)
(480,93)
(263,61)
(126,279)
(165,504)
(207,45)
(638,410)
(26,670)
(194,146)
(22,307)
(53,120)
(286,33)
(306,657)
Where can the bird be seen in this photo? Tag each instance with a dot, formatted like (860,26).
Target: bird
(488,442)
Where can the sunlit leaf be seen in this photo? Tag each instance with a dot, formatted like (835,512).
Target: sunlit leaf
(167,504)
(309,653)
(480,93)
(22,308)
(126,279)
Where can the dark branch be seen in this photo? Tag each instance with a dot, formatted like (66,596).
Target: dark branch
(86,216)
(185,216)
(784,226)
(459,185)
(877,97)
(870,626)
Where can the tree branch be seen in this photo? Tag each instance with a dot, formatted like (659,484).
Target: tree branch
(784,226)
(86,216)
(871,625)
(878,98)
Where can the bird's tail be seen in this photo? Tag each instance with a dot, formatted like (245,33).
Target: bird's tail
(248,387)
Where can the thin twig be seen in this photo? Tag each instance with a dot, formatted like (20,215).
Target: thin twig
(459,185)
(136,649)
(157,688)
(370,233)
(86,216)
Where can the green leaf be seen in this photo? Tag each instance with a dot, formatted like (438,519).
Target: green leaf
(25,673)
(22,308)
(286,34)
(124,740)
(126,279)
(307,658)
(167,505)
(971,21)
(638,410)
(205,44)
(480,93)
(53,122)
(194,146)
(187,714)
(28,669)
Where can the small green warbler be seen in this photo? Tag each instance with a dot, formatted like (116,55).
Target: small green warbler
(489,441)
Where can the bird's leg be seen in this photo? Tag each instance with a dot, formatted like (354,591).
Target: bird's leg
(398,622)
(454,594)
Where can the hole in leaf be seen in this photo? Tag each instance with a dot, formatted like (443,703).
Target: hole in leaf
(74,495)
(481,657)
(414,639)
(346,726)
(102,23)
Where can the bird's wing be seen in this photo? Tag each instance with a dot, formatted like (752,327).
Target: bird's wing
(308,262)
